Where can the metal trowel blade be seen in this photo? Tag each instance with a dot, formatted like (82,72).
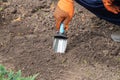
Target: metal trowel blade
(60,43)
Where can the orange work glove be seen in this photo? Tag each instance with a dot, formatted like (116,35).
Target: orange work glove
(110,6)
(64,13)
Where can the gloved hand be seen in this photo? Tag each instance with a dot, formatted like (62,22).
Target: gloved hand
(64,13)
(110,6)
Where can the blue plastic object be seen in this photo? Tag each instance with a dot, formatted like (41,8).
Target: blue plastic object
(62,28)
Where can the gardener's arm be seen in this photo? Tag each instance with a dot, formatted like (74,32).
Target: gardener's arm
(64,13)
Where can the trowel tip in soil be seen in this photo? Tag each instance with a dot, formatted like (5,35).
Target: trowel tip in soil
(59,45)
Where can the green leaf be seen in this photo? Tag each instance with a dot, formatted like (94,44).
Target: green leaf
(30,77)
(34,76)
(2,70)
(10,75)
(17,75)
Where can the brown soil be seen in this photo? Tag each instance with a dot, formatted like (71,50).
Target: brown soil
(27,28)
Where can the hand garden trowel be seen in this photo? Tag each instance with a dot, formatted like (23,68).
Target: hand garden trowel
(60,40)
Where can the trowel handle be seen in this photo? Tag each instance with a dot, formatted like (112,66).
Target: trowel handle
(62,28)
